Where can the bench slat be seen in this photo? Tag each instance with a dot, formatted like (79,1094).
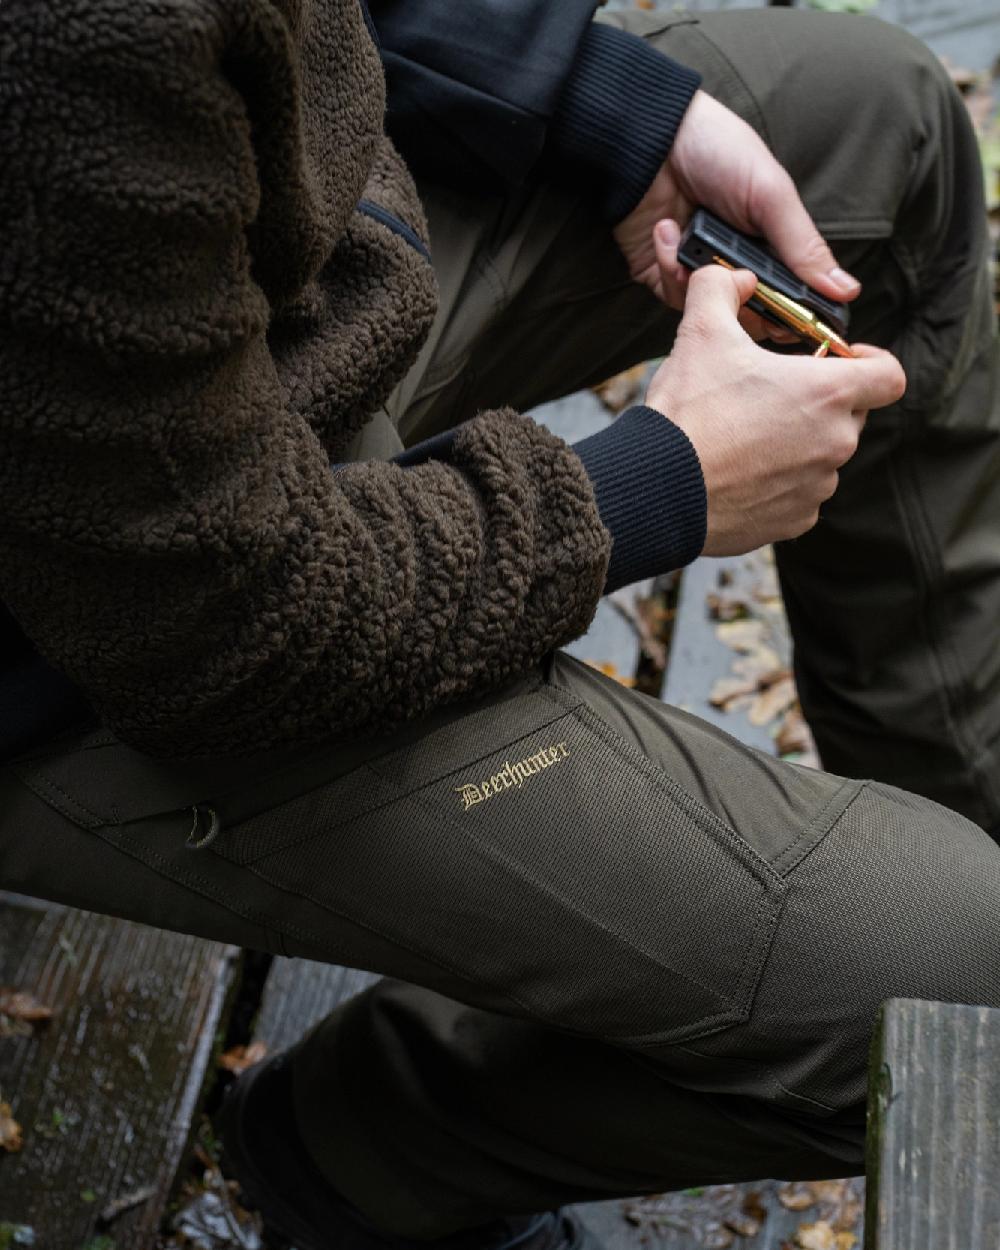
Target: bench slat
(934,1129)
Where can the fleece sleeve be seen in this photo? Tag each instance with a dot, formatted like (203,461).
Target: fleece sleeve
(649,488)
(171,534)
(491,94)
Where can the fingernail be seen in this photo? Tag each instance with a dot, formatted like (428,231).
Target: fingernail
(841,278)
(666,231)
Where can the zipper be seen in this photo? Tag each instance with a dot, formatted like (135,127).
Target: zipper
(380,214)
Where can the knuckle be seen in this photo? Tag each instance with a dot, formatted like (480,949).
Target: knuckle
(805,523)
(845,445)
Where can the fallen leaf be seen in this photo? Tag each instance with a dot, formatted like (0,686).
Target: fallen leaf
(239,1058)
(753,1207)
(820,1236)
(743,636)
(10,1130)
(609,670)
(796,1197)
(727,690)
(119,1206)
(727,607)
(829,1191)
(21,1006)
(618,392)
(772,701)
(743,1225)
(793,734)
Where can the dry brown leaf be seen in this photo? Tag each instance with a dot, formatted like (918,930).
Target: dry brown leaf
(239,1058)
(21,1006)
(753,1206)
(618,392)
(645,4)
(796,1197)
(793,734)
(820,1236)
(10,1130)
(727,607)
(772,701)
(743,636)
(612,671)
(729,691)
(743,1225)
(830,1191)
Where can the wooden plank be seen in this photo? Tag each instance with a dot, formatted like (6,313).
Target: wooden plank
(934,1128)
(298,993)
(611,640)
(698,658)
(735,1217)
(106,1092)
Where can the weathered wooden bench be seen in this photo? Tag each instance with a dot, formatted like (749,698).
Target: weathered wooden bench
(934,1129)
(108,1092)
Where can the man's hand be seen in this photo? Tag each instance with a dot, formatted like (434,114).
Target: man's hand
(770,430)
(720,162)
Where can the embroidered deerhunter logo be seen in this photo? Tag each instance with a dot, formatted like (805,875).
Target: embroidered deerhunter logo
(511,776)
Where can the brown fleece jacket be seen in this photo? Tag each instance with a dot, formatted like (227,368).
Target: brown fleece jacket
(194,317)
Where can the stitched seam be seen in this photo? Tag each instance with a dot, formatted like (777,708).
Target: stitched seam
(550,892)
(329,828)
(746,983)
(414,948)
(656,776)
(48,790)
(953,687)
(425,785)
(162,867)
(762,1067)
(821,821)
(666,783)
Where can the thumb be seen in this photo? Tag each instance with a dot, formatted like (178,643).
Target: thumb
(782,218)
(736,285)
(716,294)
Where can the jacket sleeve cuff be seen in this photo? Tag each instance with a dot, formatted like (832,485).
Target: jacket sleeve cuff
(617,117)
(650,493)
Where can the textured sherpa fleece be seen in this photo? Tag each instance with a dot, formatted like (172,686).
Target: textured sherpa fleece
(194,317)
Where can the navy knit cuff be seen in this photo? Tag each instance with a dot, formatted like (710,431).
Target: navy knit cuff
(617,117)
(650,493)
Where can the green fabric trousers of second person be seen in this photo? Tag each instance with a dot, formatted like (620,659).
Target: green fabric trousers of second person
(894,598)
(629,953)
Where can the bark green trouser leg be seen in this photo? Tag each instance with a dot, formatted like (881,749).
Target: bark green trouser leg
(647,956)
(894,598)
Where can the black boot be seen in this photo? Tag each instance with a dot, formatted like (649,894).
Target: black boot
(263,1151)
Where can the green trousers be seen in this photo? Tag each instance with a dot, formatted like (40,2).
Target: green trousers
(623,952)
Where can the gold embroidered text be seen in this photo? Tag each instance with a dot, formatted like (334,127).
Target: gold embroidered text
(511,776)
